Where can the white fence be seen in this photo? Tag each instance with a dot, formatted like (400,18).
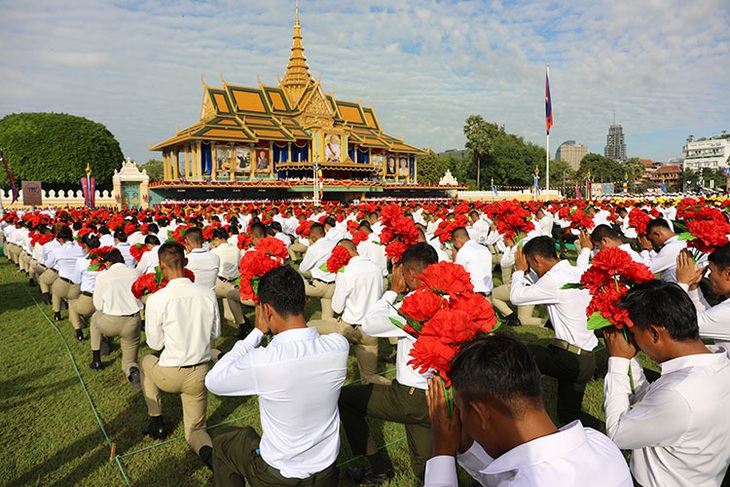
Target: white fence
(524,194)
(60,198)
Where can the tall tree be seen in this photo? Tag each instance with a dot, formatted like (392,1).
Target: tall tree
(432,168)
(634,170)
(156,170)
(601,168)
(478,141)
(55,148)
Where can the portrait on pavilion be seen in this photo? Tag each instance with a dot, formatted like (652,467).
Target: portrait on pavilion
(263,160)
(243,160)
(390,166)
(403,167)
(332,149)
(222,158)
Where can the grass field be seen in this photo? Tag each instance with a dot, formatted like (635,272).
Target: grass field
(59,419)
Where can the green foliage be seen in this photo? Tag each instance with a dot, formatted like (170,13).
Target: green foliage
(601,168)
(432,168)
(634,169)
(504,157)
(55,148)
(156,171)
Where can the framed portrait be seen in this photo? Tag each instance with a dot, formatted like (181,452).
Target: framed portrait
(377,160)
(332,148)
(390,166)
(222,158)
(403,167)
(243,160)
(263,160)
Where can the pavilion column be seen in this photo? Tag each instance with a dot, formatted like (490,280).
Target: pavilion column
(232,162)
(176,162)
(288,156)
(166,165)
(197,160)
(213,160)
(187,162)
(415,169)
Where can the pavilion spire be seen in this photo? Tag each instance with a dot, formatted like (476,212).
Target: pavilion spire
(297,77)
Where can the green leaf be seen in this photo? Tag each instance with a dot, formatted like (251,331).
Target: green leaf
(396,322)
(572,285)
(255,284)
(323,267)
(680,226)
(596,321)
(686,236)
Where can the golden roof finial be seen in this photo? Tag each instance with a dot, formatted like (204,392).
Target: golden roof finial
(297,77)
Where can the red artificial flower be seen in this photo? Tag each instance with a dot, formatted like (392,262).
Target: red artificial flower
(273,247)
(447,278)
(422,304)
(638,219)
(478,309)
(137,250)
(359,236)
(339,258)
(244,241)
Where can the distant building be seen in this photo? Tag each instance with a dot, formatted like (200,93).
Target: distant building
(454,153)
(615,147)
(572,153)
(710,153)
(669,174)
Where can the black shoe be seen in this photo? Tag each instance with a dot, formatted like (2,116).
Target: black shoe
(155,428)
(390,360)
(82,323)
(134,379)
(31,282)
(513,320)
(47,298)
(80,335)
(96,365)
(206,454)
(57,315)
(104,347)
(364,475)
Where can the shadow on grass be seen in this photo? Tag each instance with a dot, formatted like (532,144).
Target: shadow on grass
(19,390)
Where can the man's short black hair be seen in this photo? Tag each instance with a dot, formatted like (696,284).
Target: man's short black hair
(220,232)
(194,236)
(316,229)
(276,226)
(114,256)
(257,229)
(283,289)
(662,304)
(500,370)
(419,256)
(172,254)
(330,221)
(151,240)
(721,257)
(153,228)
(657,223)
(65,233)
(543,246)
(90,240)
(603,231)
(120,235)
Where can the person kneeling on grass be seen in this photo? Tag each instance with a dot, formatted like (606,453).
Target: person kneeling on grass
(297,377)
(500,432)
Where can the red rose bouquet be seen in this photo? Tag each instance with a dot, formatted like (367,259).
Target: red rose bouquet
(303,229)
(153,282)
(244,241)
(512,220)
(639,220)
(398,233)
(705,230)
(442,315)
(268,254)
(446,227)
(96,256)
(359,236)
(337,261)
(137,250)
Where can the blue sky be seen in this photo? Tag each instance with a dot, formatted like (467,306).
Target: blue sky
(426,65)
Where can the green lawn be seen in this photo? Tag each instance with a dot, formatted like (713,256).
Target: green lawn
(49,426)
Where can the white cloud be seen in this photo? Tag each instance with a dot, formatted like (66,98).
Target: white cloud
(426,65)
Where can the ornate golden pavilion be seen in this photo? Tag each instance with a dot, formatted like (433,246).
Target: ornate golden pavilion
(292,136)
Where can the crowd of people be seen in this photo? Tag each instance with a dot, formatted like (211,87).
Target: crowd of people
(492,420)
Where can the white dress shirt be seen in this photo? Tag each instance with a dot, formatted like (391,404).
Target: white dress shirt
(113,291)
(205,266)
(679,426)
(48,247)
(546,224)
(83,276)
(149,260)
(714,321)
(229,256)
(106,240)
(371,249)
(297,377)
(357,289)
(480,229)
(377,324)
(317,254)
(183,318)
(574,456)
(477,260)
(286,239)
(628,230)
(63,259)
(125,249)
(664,263)
(566,307)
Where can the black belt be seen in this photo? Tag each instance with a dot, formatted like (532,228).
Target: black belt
(569,347)
(411,390)
(87,293)
(126,316)
(66,280)
(486,295)
(226,280)
(320,280)
(191,366)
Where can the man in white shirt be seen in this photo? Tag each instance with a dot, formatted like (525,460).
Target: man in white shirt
(319,283)
(63,260)
(297,377)
(149,259)
(500,432)
(569,357)
(257,231)
(545,221)
(357,288)
(372,249)
(47,275)
(479,227)
(713,321)
(117,314)
(404,401)
(228,272)
(120,242)
(602,237)
(475,259)
(677,427)
(181,320)
(204,264)
(660,236)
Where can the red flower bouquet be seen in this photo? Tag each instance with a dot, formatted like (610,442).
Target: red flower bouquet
(268,254)
(639,220)
(511,218)
(244,241)
(359,236)
(337,261)
(137,250)
(96,256)
(705,230)
(442,315)
(398,233)
(303,229)
(446,227)
(153,282)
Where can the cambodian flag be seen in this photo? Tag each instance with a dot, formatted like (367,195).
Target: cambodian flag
(548,105)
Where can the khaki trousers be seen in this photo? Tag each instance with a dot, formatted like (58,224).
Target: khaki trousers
(61,290)
(47,279)
(12,250)
(222,288)
(83,305)
(125,327)
(296,248)
(189,382)
(36,270)
(500,297)
(324,291)
(24,261)
(365,346)
(233,297)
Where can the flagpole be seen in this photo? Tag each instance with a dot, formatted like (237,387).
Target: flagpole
(547,151)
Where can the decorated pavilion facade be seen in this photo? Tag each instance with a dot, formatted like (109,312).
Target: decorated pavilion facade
(287,139)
